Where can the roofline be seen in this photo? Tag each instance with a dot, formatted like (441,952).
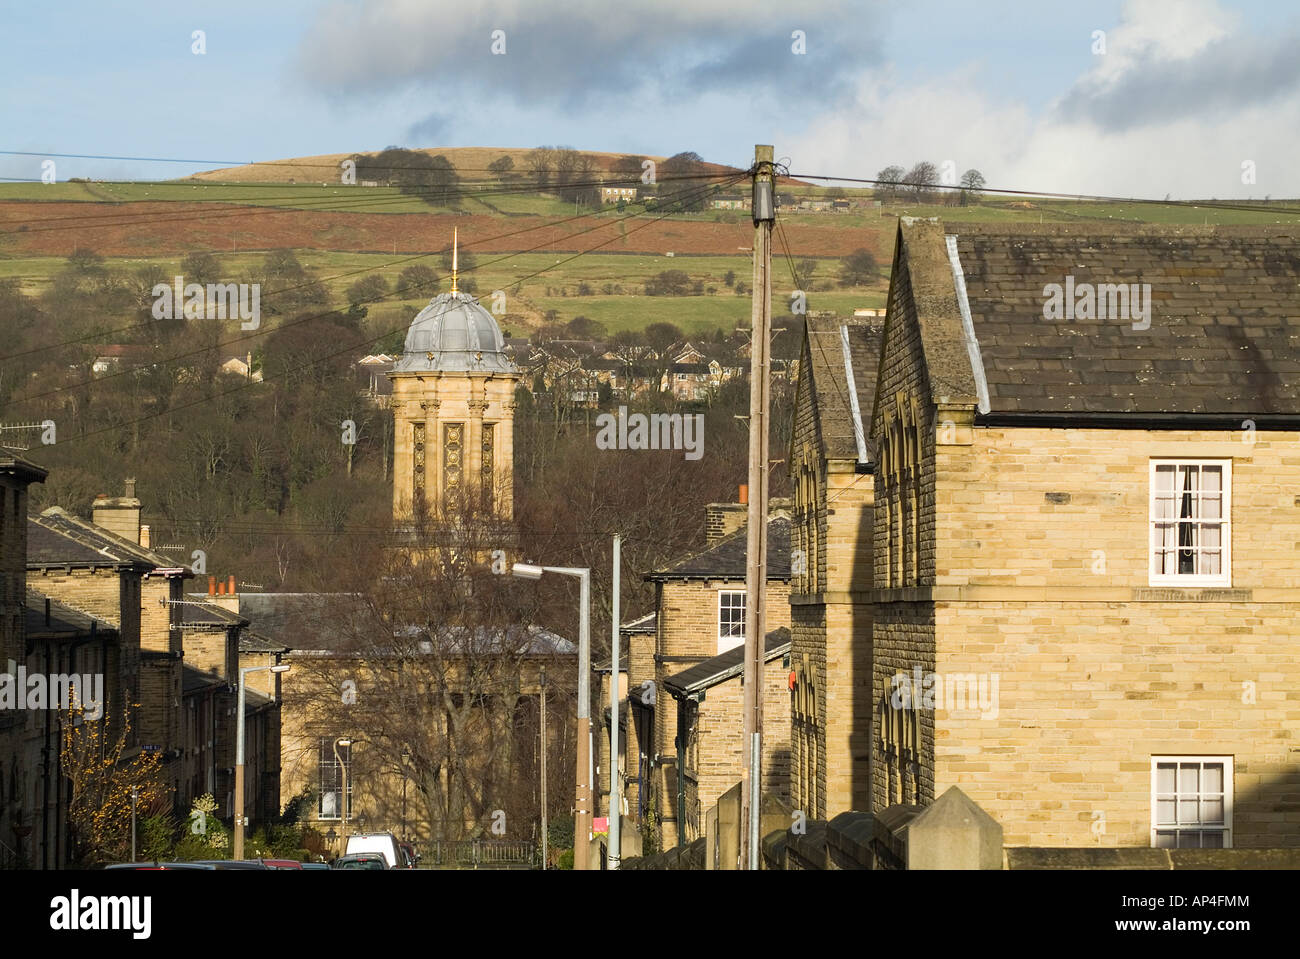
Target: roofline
(703,578)
(23,468)
(678,691)
(1093,419)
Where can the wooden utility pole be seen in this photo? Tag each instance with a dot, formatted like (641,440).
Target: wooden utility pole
(764,215)
(544,837)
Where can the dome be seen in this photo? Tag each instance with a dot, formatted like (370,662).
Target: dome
(454,333)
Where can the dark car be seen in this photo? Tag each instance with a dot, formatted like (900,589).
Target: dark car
(316,865)
(361,860)
(159,865)
(408,851)
(235,863)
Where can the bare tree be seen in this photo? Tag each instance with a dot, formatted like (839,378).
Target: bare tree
(921,180)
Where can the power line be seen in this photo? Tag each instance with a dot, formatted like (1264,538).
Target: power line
(1210,204)
(364,270)
(170,410)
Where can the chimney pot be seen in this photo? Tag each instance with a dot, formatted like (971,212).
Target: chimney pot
(743,499)
(221,589)
(130,487)
(212,586)
(231,588)
(144,536)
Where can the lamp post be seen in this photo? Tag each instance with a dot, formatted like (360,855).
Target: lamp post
(343,799)
(238,852)
(135,794)
(582,803)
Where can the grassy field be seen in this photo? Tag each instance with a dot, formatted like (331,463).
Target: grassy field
(534,283)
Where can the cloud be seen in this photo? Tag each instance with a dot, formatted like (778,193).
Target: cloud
(1134,125)
(428,131)
(1167,62)
(583,53)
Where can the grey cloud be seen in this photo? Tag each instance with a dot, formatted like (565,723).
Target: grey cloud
(1226,76)
(565,57)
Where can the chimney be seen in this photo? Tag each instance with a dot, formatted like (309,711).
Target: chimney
(212,586)
(226,596)
(118,514)
(144,536)
(723,519)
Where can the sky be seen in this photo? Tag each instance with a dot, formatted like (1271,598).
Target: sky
(1148,98)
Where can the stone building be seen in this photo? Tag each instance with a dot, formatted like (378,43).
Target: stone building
(710,701)
(700,613)
(1085,513)
(832,460)
(453,412)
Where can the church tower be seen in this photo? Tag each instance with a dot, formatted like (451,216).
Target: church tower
(453,412)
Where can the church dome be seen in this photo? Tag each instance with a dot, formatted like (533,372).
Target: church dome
(454,333)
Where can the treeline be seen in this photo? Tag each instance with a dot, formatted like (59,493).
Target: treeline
(922,184)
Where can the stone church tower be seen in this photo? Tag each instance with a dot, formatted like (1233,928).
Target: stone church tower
(453,412)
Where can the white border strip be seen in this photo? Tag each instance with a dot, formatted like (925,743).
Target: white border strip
(968,325)
(859,435)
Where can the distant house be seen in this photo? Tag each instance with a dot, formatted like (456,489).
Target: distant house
(242,367)
(113,356)
(841,206)
(372,371)
(687,381)
(612,194)
(730,202)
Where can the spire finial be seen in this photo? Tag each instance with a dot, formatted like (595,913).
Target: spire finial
(455,237)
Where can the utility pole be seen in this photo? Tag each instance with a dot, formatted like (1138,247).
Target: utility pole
(544,793)
(764,215)
(615,810)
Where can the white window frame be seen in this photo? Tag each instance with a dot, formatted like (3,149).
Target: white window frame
(1228,791)
(728,641)
(1224,578)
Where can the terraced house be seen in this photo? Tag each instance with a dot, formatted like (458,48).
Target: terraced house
(1086,516)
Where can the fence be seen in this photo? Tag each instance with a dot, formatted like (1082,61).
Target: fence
(479,854)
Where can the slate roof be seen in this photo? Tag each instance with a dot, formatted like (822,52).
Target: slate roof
(201,613)
(828,374)
(726,558)
(64,622)
(57,538)
(1224,335)
(725,666)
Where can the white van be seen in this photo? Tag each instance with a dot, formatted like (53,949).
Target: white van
(380,842)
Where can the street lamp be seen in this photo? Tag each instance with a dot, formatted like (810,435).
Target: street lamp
(582,804)
(343,799)
(239,755)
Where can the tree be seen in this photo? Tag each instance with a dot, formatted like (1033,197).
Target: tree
(972,182)
(859,268)
(682,182)
(501,166)
(102,781)
(887,182)
(729,278)
(540,163)
(921,179)
(668,283)
(417,281)
(85,260)
(582,328)
(200,267)
(368,289)
(804,270)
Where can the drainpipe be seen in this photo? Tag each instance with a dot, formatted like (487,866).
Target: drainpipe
(681,773)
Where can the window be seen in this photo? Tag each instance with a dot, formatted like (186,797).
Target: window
(1191,802)
(1191,508)
(731,619)
(331,780)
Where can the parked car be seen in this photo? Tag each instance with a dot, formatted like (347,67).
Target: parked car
(159,865)
(384,843)
(412,857)
(235,863)
(316,865)
(362,860)
(282,863)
